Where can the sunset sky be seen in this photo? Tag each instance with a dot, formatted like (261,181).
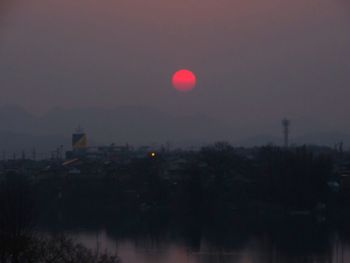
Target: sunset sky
(256,61)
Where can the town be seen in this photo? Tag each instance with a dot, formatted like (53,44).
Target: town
(268,180)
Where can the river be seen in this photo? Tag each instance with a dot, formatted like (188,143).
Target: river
(317,244)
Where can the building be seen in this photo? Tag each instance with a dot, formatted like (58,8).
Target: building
(79,140)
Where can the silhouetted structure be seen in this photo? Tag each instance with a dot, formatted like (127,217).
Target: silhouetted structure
(79,139)
(286,124)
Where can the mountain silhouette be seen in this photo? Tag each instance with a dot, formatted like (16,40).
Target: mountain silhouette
(20,130)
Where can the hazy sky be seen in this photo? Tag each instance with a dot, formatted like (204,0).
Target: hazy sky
(256,61)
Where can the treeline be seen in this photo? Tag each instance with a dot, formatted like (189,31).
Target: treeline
(217,179)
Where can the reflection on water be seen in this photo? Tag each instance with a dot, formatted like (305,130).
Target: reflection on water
(290,245)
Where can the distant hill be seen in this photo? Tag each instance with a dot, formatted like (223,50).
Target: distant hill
(259,140)
(134,125)
(325,138)
(137,126)
(11,143)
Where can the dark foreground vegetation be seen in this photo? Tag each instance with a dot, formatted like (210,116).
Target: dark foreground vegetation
(19,240)
(267,181)
(213,192)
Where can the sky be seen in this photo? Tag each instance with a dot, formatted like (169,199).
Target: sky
(256,61)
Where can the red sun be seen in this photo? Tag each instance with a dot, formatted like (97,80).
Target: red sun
(184,80)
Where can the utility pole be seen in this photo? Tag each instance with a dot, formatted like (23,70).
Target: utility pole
(34,154)
(285,125)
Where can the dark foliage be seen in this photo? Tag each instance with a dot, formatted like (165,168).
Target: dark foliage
(19,242)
